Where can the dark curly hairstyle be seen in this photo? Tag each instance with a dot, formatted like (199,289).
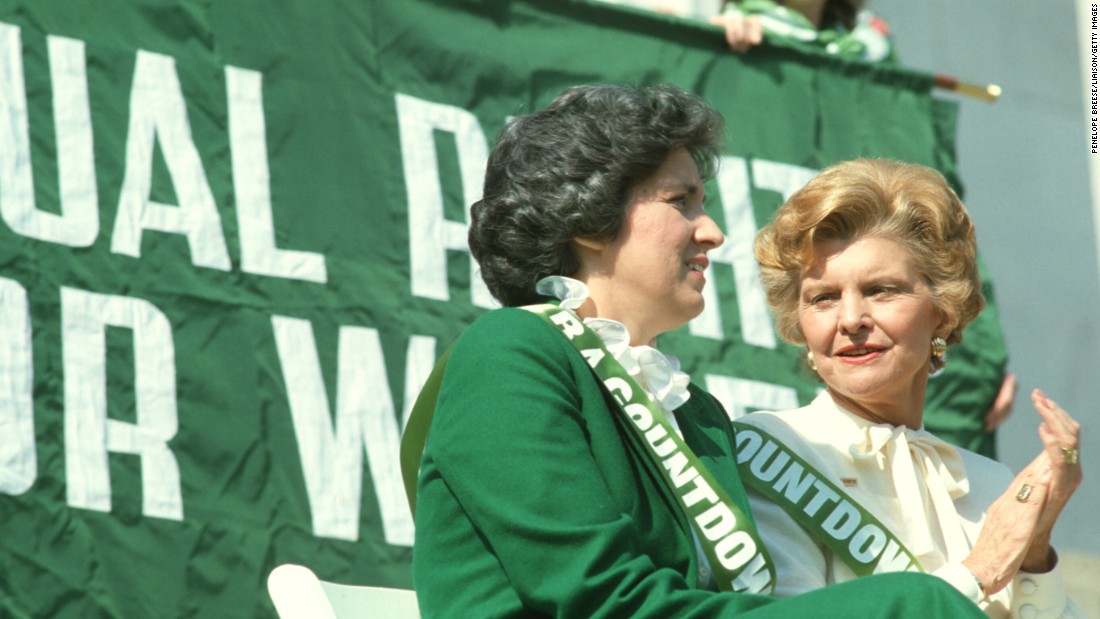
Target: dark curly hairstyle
(567,172)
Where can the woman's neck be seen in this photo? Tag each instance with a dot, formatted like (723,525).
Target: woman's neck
(910,416)
(638,335)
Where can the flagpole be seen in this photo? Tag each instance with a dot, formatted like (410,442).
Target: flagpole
(989,92)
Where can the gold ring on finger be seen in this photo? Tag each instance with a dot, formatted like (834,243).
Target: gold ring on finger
(1025,491)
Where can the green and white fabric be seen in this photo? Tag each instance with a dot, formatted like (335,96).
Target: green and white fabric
(929,494)
(232,247)
(868,40)
(648,386)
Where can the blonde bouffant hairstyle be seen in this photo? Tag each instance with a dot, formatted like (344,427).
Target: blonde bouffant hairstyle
(904,202)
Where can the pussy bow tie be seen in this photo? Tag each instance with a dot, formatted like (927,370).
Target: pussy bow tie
(928,476)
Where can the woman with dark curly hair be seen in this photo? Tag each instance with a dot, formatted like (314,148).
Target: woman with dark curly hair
(872,267)
(572,470)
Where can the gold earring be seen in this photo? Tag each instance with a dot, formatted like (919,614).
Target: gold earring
(810,360)
(939,347)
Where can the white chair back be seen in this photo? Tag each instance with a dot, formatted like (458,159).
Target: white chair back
(299,594)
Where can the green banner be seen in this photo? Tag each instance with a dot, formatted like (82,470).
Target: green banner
(232,241)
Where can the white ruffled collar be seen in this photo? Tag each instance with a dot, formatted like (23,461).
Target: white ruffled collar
(657,373)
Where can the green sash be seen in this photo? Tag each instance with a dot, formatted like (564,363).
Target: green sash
(821,507)
(416,428)
(737,557)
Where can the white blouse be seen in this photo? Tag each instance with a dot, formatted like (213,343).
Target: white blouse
(932,495)
(658,374)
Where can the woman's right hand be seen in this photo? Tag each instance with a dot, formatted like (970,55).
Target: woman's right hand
(1061,435)
(1016,534)
(1010,527)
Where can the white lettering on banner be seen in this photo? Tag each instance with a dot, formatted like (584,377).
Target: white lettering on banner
(430,234)
(739,395)
(734,188)
(18,459)
(252,185)
(785,178)
(89,434)
(756,324)
(158,114)
(332,457)
(736,206)
(78,223)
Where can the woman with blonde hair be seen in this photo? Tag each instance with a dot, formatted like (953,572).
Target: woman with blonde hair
(872,267)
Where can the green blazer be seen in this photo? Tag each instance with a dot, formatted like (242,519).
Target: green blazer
(531,502)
